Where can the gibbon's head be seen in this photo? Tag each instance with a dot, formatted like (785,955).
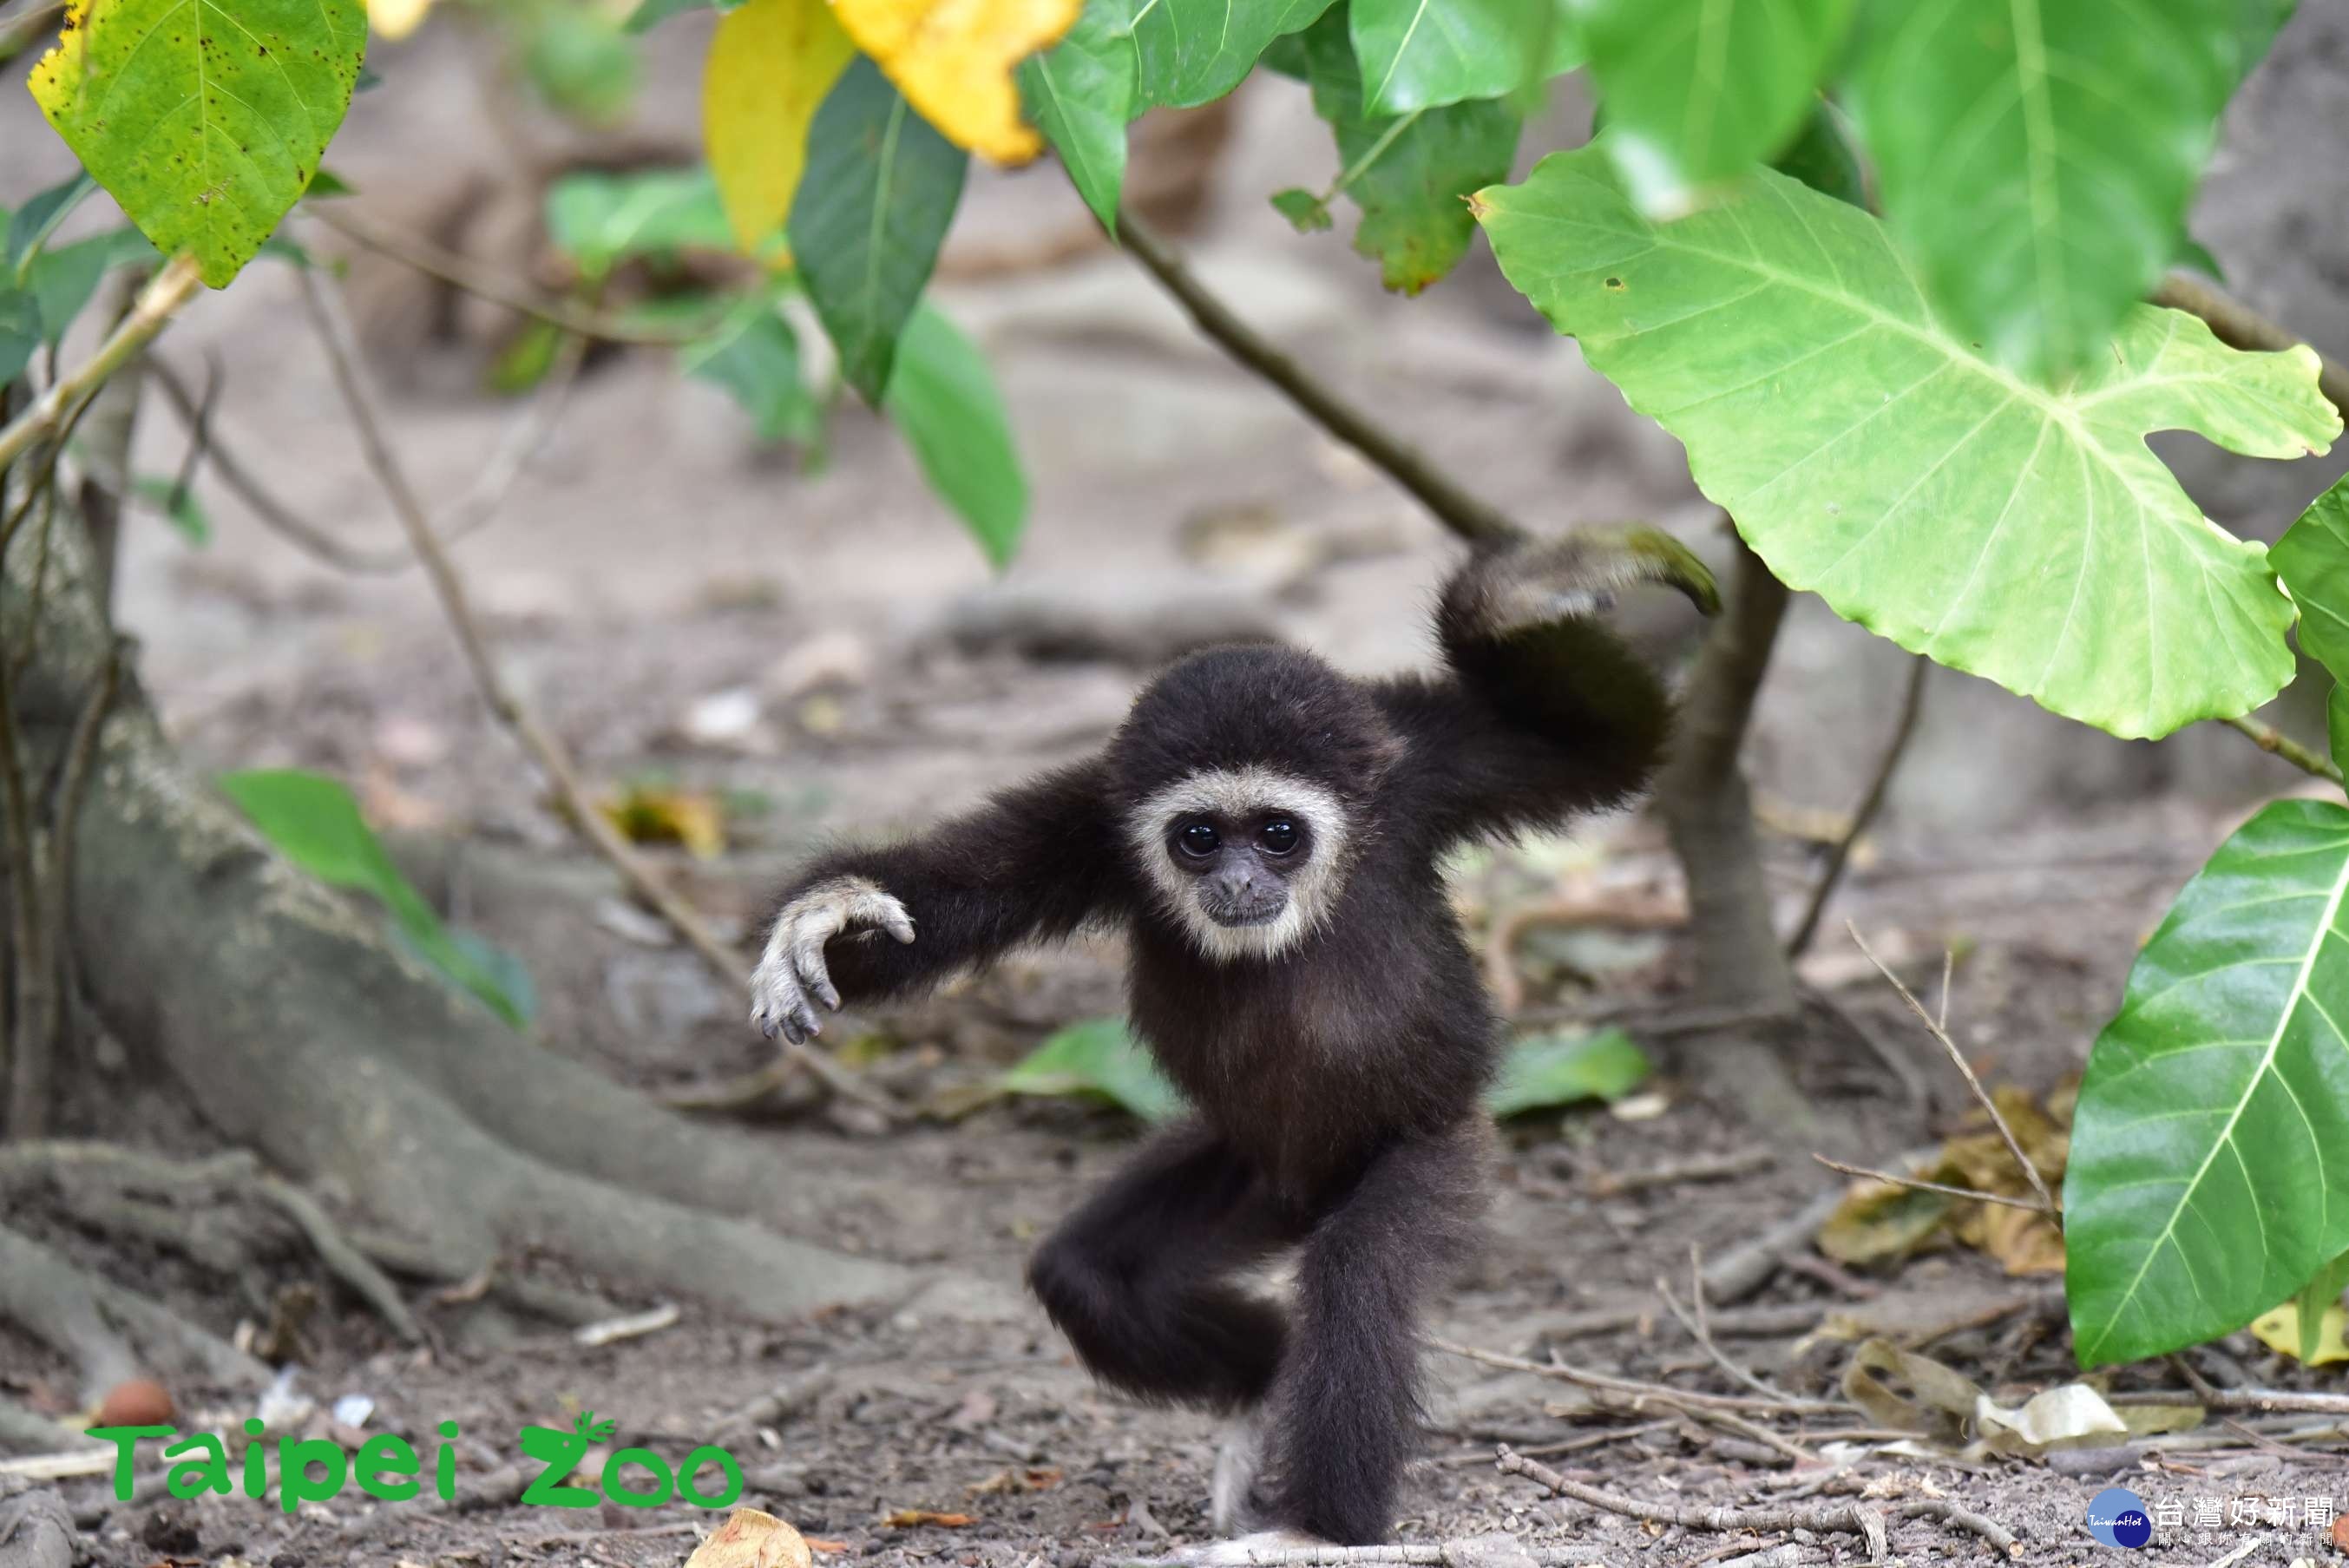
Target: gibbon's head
(1244,777)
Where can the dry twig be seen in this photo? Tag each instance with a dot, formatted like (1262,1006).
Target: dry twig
(1633,1389)
(1855,1518)
(520,720)
(1918,1184)
(1912,704)
(2048,1205)
(158,303)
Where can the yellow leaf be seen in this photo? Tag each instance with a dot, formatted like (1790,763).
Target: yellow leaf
(649,816)
(395,18)
(953,60)
(2280,1330)
(749,1539)
(771,63)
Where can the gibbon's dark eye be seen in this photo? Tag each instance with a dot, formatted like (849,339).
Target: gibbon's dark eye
(1278,836)
(1199,840)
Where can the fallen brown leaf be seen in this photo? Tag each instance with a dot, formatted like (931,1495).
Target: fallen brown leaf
(749,1539)
(913,1518)
(829,1547)
(2340,1532)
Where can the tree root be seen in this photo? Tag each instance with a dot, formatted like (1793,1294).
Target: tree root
(110,1331)
(36,1531)
(300,1032)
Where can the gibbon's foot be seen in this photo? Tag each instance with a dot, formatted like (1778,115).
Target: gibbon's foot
(1580,573)
(1233,1505)
(792,977)
(1240,1550)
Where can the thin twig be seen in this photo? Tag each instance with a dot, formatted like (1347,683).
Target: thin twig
(463,272)
(1632,1389)
(1570,1445)
(1694,1320)
(2048,1205)
(2276,743)
(1474,520)
(2257,1401)
(1912,704)
(158,303)
(520,720)
(1857,1519)
(1918,1184)
(17,33)
(1704,1168)
(474,510)
(2239,326)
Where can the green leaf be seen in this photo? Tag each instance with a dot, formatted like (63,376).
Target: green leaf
(326,184)
(871,212)
(944,401)
(582,63)
(2196,257)
(204,120)
(177,503)
(1867,453)
(1697,91)
(20,331)
(315,824)
(1307,213)
(2337,725)
(1411,173)
(1422,53)
(1822,157)
(64,277)
(755,357)
(1098,1058)
(38,219)
(651,14)
(2312,559)
(2038,157)
(2210,1167)
(1080,93)
(1192,52)
(2318,1297)
(600,221)
(1552,1070)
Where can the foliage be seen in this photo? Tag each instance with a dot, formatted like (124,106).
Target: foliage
(600,221)
(2019,532)
(953,60)
(942,400)
(1081,93)
(204,119)
(1548,1071)
(314,822)
(771,63)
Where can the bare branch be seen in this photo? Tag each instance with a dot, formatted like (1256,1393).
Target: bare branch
(1474,520)
(1871,801)
(1917,1184)
(542,743)
(2276,743)
(158,303)
(2048,1205)
(1632,1390)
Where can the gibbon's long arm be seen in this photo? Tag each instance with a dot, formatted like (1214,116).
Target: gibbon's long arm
(863,923)
(1543,711)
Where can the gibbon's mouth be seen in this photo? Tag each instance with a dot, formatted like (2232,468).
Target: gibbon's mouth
(1253,915)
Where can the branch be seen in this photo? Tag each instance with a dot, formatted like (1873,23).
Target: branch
(1918,1184)
(1474,520)
(2238,326)
(2276,743)
(1912,703)
(543,744)
(22,31)
(2046,1204)
(158,302)
(460,272)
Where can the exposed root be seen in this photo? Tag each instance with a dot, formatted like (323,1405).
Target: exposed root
(110,1331)
(36,1531)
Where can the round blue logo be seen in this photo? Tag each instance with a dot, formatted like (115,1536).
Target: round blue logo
(2117,1518)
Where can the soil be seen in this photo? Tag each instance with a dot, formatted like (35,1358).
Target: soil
(656,573)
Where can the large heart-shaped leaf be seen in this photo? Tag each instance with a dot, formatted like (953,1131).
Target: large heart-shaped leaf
(2039,157)
(1867,452)
(1080,94)
(2312,559)
(2210,1172)
(1409,172)
(205,121)
(871,212)
(1194,51)
(1696,91)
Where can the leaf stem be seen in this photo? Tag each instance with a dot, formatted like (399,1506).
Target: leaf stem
(2276,743)
(1472,517)
(158,303)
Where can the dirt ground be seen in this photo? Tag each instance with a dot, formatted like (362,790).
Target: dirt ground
(656,578)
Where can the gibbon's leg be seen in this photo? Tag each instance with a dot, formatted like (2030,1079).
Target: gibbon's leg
(1345,1410)
(1138,1277)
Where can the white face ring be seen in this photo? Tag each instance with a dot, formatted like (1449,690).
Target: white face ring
(1234,792)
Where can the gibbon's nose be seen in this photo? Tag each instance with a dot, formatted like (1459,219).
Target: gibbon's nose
(1234,886)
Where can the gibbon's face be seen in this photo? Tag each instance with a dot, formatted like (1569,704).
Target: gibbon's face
(1246,860)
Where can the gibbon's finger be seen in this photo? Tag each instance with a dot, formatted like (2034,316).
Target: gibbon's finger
(1645,555)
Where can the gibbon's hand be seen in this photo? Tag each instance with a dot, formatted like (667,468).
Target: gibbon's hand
(792,977)
(1581,572)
